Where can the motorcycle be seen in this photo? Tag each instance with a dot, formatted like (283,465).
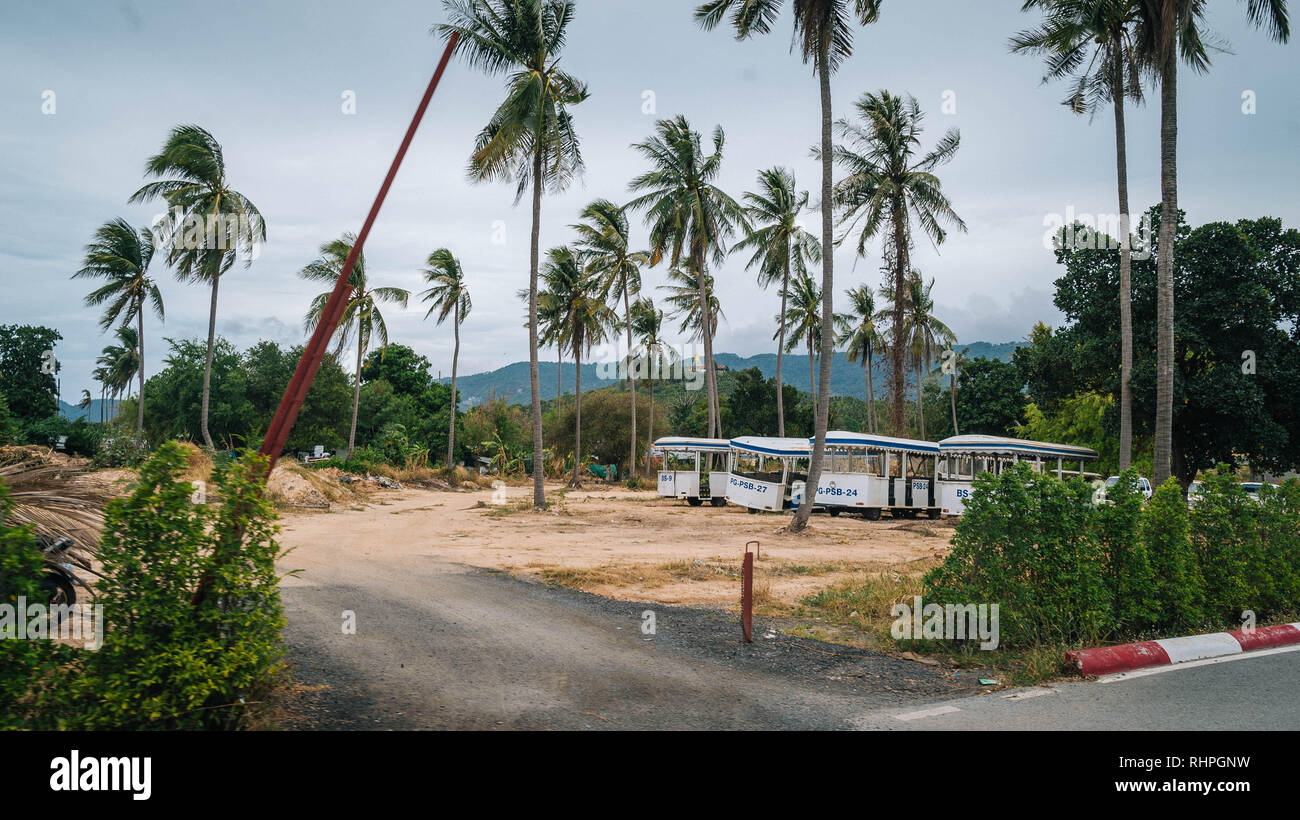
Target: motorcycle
(64,563)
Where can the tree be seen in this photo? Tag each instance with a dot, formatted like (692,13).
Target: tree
(690,217)
(122,255)
(603,244)
(647,326)
(323,419)
(26,386)
(585,319)
(886,188)
(1169,29)
(924,334)
(361,317)
(1092,42)
(990,399)
(803,324)
(121,361)
(780,246)
(449,295)
(530,137)
(824,31)
(209,223)
(861,339)
(174,394)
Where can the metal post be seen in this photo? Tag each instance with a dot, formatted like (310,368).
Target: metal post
(747,599)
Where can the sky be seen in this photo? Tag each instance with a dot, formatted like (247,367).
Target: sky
(89,90)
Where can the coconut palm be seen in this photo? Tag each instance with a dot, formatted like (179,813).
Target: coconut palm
(861,338)
(802,323)
(603,243)
(1093,44)
(647,327)
(922,333)
(530,138)
(780,246)
(449,295)
(886,187)
(1168,29)
(121,255)
(101,375)
(119,363)
(361,317)
(824,31)
(584,319)
(690,217)
(684,299)
(86,401)
(208,225)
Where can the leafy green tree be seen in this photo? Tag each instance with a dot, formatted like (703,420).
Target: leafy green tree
(449,295)
(990,398)
(27,388)
(750,409)
(781,246)
(887,189)
(323,417)
(9,431)
(824,31)
(209,223)
(405,370)
(361,317)
(1165,534)
(122,255)
(690,218)
(530,138)
(174,394)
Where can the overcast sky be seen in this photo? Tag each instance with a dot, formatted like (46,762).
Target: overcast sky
(268,80)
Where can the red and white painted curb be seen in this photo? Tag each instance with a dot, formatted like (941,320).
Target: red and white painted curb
(1126,657)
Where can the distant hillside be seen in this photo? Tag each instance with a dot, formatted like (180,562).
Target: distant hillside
(847,379)
(72,412)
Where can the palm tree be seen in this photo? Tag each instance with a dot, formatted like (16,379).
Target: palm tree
(603,244)
(690,217)
(647,325)
(530,137)
(1166,30)
(85,402)
(584,319)
(824,31)
(120,362)
(449,295)
(684,298)
(101,376)
(803,323)
(887,186)
(923,333)
(1092,42)
(361,317)
(861,338)
(209,223)
(781,246)
(121,255)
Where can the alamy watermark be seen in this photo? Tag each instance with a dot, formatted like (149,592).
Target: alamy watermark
(684,363)
(43,622)
(946,622)
(1098,232)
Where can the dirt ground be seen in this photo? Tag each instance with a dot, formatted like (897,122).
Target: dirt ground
(631,545)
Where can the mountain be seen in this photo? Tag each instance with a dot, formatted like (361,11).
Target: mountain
(72,412)
(847,378)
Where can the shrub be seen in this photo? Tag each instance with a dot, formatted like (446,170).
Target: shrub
(192,602)
(1027,543)
(1127,563)
(1279,526)
(121,448)
(1225,537)
(1180,592)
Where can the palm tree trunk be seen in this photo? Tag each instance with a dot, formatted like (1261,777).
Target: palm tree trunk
(780,352)
(139,405)
(650,428)
(706,332)
(871,410)
(822,416)
(207,362)
(631,377)
(356,399)
(577,416)
(559,375)
(900,276)
(455,355)
(539,489)
(952,394)
(1125,295)
(1165,252)
(812,376)
(920,405)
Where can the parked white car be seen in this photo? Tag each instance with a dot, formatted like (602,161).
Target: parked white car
(1193,493)
(1143,487)
(1252,490)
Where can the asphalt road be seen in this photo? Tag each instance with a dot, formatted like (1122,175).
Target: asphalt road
(442,646)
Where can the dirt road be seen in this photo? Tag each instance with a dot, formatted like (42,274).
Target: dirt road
(440,642)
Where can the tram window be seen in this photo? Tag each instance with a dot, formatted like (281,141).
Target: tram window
(895,466)
(858,462)
(873,463)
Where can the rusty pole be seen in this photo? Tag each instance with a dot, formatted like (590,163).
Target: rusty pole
(277,434)
(747,599)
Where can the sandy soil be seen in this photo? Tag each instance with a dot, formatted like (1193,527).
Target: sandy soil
(612,541)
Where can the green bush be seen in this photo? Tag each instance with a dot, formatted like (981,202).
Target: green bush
(1128,571)
(1028,543)
(1225,536)
(192,603)
(1164,530)
(1279,530)
(121,448)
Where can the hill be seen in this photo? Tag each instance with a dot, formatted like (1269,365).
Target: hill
(511,382)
